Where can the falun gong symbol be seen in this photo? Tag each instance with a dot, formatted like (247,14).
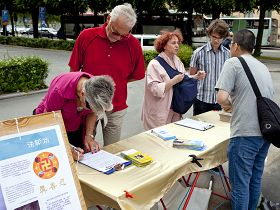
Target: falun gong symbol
(45,165)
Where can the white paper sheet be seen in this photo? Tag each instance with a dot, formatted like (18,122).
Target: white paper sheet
(102,161)
(195,124)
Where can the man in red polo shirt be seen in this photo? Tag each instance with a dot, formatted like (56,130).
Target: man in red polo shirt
(111,50)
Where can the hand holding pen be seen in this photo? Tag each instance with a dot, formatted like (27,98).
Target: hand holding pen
(77,153)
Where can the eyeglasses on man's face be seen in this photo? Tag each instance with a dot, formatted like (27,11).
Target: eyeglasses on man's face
(216,38)
(116,33)
(231,44)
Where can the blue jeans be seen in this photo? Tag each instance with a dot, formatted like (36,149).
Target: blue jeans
(246,157)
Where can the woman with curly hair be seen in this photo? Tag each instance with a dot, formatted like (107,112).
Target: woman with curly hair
(157,109)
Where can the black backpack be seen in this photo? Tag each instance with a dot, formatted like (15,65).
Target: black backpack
(268,111)
(184,92)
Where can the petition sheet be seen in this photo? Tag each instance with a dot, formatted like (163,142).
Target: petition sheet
(35,172)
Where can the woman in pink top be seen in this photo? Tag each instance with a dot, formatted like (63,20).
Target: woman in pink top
(81,98)
(156,109)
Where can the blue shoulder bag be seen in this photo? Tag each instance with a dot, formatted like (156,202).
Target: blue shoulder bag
(184,92)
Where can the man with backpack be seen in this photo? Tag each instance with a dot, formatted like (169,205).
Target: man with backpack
(247,149)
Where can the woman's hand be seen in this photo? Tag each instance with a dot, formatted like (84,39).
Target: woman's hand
(178,78)
(77,153)
(90,144)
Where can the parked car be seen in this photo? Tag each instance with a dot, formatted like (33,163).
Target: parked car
(146,40)
(17,29)
(43,32)
(8,30)
(22,30)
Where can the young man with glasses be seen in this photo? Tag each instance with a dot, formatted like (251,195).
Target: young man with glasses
(247,149)
(209,58)
(111,50)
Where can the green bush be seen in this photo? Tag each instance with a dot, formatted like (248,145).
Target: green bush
(149,55)
(185,53)
(22,74)
(38,42)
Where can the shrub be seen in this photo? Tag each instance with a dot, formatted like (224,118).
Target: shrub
(185,54)
(149,55)
(38,42)
(22,74)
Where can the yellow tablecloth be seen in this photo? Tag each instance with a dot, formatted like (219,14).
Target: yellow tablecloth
(148,184)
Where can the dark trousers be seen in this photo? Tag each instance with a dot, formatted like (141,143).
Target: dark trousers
(200,107)
(74,137)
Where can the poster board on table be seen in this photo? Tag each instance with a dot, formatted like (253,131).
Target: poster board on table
(37,170)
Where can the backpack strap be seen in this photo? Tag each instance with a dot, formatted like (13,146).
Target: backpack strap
(250,77)
(169,70)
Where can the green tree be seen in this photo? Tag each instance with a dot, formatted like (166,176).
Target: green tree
(148,7)
(263,6)
(98,6)
(11,7)
(215,8)
(55,7)
(207,7)
(187,6)
(68,7)
(31,6)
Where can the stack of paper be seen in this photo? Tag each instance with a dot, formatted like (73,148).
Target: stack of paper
(197,145)
(195,124)
(163,134)
(103,161)
(138,158)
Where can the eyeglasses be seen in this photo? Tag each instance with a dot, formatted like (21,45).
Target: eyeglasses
(87,105)
(217,38)
(116,33)
(232,43)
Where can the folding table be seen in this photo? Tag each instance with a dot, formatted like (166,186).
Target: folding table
(140,188)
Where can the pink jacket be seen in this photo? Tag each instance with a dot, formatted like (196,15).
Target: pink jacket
(156,109)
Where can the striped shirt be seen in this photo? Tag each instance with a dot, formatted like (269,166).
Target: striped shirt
(204,58)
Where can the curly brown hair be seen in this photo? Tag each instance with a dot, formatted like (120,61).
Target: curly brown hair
(218,26)
(165,36)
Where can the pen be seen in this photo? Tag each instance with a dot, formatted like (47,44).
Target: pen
(75,148)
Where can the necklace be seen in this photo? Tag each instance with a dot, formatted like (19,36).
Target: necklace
(80,108)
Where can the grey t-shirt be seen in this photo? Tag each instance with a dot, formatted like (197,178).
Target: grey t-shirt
(233,80)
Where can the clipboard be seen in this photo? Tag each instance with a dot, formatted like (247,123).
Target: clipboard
(195,124)
(104,162)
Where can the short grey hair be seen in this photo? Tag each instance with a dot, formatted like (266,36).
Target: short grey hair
(126,11)
(99,92)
